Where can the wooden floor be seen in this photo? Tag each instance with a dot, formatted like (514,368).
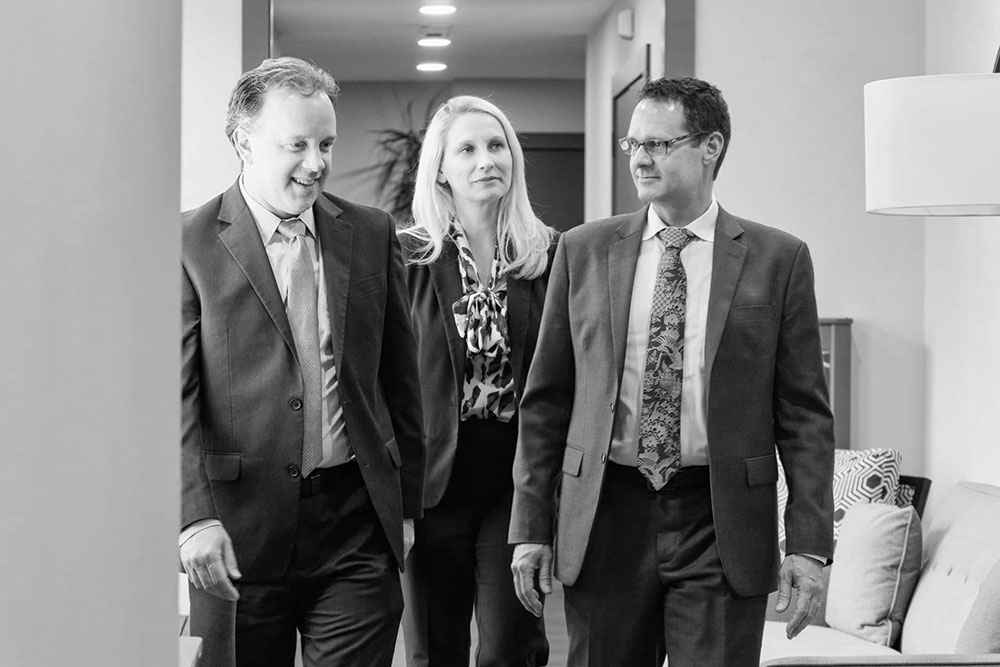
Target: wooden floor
(555,630)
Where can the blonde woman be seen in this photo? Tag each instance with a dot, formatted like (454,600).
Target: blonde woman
(477,267)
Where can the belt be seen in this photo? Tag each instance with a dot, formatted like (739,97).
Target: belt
(326,479)
(690,477)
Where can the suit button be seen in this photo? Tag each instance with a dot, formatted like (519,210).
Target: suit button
(293,471)
(295,404)
(604,457)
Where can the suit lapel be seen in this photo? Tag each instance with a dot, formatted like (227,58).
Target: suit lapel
(448,289)
(242,238)
(623,253)
(336,241)
(727,264)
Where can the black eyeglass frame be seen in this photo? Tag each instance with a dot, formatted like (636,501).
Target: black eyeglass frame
(630,146)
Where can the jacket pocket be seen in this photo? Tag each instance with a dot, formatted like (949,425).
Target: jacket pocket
(222,466)
(393,450)
(762,470)
(751,313)
(364,286)
(572,461)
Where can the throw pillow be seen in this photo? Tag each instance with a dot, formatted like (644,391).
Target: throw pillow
(874,571)
(859,476)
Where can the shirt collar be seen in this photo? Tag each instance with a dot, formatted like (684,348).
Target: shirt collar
(703,226)
(267,222)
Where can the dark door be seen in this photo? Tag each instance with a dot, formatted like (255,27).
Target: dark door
(625,87)
(554,171)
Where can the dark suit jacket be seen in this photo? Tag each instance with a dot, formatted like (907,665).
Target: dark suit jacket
(765,387)
(241,438)
(441,352)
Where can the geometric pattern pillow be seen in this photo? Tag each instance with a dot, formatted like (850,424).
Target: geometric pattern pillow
(905,495)
(859,476)
(863,476)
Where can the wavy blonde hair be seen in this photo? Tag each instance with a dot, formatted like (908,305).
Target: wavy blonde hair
(523,239)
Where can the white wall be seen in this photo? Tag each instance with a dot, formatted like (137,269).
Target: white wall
(606,54)
(793,74)
(532,105)
(962,313)
(364,107)
(88,341)
(211,63)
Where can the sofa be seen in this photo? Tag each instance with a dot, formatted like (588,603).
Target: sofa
(907,592)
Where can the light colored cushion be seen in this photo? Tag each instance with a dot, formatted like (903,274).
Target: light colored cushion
(981,632)
(815,641)
(859,476)
(874,571)
(957,591)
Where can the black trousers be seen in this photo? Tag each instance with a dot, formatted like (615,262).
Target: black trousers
(341,592)
(652,583)
(461,561)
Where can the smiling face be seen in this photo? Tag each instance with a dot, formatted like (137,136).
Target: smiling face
(476,162)
(286,153)
(681,176)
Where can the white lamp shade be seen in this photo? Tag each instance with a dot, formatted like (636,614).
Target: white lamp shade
(932,145)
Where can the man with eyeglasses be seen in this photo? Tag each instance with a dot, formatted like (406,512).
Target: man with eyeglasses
(679,356)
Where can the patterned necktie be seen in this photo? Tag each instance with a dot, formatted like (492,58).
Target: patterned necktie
(660,417)
(300,306)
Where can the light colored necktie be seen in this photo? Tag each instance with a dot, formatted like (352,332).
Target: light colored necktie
(660,416)
(300,306)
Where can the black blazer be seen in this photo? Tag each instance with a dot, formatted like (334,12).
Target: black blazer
(441,351)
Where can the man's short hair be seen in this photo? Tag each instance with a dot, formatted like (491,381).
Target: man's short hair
(705,111)
(274,74)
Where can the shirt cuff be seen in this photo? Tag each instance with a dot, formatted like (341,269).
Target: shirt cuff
(195,528)
(820,559)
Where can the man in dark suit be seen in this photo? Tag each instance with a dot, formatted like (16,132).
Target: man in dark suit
(302,454)
(679,351)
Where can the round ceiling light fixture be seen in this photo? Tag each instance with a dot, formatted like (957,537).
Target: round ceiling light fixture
(433,40)
(437,10)
(432,67)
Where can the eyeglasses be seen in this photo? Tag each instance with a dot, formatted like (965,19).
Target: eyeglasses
(654,147)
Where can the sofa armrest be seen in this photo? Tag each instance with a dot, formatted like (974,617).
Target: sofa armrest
(893,660)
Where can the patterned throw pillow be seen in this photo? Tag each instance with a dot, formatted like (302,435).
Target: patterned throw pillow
(905,495)
(859,476)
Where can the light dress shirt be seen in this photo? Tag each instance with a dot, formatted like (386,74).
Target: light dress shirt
(696,257)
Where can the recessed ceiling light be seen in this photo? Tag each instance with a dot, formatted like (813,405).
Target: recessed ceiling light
(437,10)
(431,67)
(434,40)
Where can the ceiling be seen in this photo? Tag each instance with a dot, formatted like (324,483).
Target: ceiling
(376,40)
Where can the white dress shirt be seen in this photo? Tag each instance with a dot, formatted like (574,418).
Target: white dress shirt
(696,257)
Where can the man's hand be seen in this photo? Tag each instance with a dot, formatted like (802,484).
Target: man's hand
(528,560)
(804,574)
(210,562)
(409,537)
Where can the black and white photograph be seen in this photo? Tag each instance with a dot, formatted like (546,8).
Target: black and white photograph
(500,333)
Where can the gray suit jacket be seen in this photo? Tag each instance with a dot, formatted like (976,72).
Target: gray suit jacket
(241,442)
(766,388)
